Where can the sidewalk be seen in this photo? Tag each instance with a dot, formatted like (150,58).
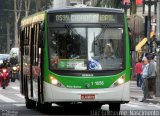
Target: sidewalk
(137,94)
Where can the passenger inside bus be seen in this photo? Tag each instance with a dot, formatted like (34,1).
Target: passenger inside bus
(55,61)
(108,51)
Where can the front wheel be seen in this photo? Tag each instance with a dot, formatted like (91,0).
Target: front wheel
(44,107)
(114,107)
(4,87)
(91,105)
(30,104)
(3,84)
(13,78)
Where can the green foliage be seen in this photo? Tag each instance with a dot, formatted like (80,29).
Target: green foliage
(7,15)
(109,3)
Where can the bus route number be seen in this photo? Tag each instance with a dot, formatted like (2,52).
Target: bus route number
(62,18)
(98,83)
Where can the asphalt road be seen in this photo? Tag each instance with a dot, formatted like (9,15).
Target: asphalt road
(12,103)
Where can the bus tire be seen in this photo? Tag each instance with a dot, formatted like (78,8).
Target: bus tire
(91,105)
(114,107)
(4,86)
(14,77)
(44,107)
(11,79)
(30,104)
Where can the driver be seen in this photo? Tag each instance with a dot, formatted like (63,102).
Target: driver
(108,51)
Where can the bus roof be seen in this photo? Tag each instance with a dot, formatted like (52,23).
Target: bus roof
(84,9)
(37,17)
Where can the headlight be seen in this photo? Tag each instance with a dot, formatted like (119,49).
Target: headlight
(119,81)
(55,82)
(14,68)
(4,70)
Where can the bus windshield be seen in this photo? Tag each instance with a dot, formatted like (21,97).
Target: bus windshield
(86,48)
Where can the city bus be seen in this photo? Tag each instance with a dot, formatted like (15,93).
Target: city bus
(75,56)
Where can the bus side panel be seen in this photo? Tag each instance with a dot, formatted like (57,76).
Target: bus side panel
(126,91)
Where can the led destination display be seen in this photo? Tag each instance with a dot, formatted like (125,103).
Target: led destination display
(84,18)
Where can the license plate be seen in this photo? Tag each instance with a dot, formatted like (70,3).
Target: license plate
(87,96)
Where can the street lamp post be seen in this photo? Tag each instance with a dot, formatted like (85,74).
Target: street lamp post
(158,72)
(158,50)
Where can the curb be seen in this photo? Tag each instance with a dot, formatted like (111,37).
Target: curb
(154,101)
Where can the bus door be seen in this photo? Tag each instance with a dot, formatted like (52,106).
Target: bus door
(36,55)
(25,61)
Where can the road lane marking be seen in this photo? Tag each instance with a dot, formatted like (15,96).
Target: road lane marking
(19,105)
(132,105)
(16,88)
(6,99)
(153,105)
(136,90)
(19,95)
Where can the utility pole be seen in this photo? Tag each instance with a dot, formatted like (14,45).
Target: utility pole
(158,51)
(158,20)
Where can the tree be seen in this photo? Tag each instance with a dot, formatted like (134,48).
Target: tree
(17,13)
(43,4)
(134,7)
(6,25)
(8,36)
(38,4)
(108,3)
(17,9)
(27,7)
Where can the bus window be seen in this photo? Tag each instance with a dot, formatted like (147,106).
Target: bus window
(69,46)
(105,48)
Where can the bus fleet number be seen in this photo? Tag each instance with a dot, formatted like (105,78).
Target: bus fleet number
(98,83)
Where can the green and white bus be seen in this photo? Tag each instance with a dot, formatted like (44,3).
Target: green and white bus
(75,56)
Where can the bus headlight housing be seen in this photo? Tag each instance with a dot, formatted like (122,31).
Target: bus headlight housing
(119,81)
(55,82)
(14,68)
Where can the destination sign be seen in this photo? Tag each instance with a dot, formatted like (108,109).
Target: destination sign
(83,18)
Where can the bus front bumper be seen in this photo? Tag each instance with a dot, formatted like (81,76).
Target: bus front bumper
(57,94)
